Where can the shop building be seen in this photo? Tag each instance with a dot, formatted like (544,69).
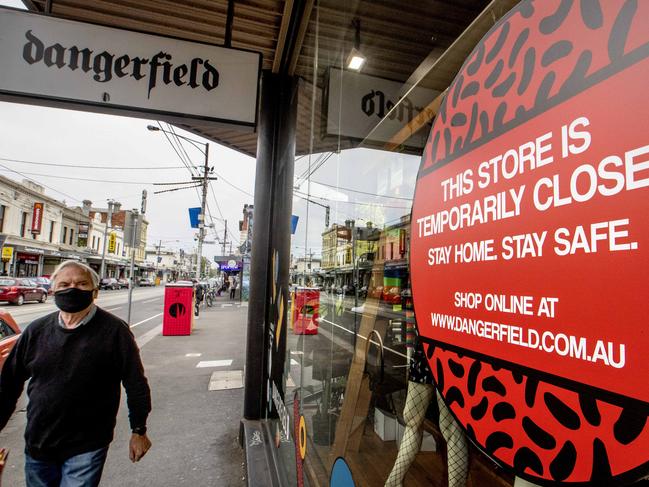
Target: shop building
(306,271)
(166,263)
(106,240)
(34,226)
(41,232)
(379,100)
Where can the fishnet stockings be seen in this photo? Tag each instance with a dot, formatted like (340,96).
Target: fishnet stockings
(417,401)
(457,453)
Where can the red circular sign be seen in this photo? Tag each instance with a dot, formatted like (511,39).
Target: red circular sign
(530,242)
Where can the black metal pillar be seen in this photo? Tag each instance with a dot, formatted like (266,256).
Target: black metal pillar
(271,239)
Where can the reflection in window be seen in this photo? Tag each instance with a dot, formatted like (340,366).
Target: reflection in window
(5,330)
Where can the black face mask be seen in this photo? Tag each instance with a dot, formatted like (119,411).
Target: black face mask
(73,300)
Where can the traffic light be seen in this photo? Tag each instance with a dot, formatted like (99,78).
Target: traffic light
(327,217)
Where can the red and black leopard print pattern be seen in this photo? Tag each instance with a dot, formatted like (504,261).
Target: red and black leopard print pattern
(519,70)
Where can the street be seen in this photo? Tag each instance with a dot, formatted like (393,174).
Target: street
(147,305)
(194,430)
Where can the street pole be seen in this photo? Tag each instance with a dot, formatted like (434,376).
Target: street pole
(132,270)
(109,222)
(201,218)
(157,260)
(225,236)
(355,280)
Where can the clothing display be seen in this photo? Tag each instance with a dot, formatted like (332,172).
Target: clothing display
(420,394)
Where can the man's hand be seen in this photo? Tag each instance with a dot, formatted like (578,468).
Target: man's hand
(138,446)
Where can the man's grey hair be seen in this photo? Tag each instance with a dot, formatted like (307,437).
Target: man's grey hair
(94,277)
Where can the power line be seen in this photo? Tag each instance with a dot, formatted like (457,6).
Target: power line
(44,185)
(175,189)
(171,184)
(82,179)
(363,192)
(107,181)
(360,203)
(83,166)
(182,147)
(188,167)
(230,184)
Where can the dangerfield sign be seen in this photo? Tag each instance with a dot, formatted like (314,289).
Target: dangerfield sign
(530,242)
(65,63)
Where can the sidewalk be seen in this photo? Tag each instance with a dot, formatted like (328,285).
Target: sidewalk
(194,431)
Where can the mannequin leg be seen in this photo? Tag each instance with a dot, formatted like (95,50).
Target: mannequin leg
(456,446)
(417,401)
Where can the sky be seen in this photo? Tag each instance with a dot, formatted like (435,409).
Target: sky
(381,184)
(55,136)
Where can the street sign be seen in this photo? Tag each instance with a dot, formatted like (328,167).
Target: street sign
(37,218)
(7,253)
(112,242)
(71,64)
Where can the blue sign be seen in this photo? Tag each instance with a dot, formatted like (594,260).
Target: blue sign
(294,219)
(193,216)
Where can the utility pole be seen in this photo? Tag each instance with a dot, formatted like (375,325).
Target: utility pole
(201,218)
(109,222)
(225,236)
(132,270)
(136,228)
(157,260)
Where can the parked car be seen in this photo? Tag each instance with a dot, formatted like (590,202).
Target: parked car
(43,282)
(108,283)
(9,334)
(145,281)
(123,283)
(17,290)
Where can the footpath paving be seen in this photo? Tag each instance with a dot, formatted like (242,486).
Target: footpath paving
(194,430)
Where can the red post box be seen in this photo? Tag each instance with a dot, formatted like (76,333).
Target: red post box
(178,316)
(305,311)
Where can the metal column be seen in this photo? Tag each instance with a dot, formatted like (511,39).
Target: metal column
(273,202)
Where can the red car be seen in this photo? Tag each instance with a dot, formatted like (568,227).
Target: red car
(9,333)
(17,290)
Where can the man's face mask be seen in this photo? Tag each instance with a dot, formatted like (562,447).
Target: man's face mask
(73,300)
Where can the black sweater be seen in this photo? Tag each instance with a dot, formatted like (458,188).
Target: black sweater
(74,391)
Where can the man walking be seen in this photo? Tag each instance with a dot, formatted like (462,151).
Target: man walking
(233,288)
(77,358)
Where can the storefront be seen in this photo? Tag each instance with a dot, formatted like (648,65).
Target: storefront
(474,172)
(28,263)
(341,397)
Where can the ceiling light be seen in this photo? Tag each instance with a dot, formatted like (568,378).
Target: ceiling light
(355,60)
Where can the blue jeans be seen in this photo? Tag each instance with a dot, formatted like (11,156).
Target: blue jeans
(83,470)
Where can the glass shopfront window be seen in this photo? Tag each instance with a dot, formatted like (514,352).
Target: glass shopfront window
(351,319)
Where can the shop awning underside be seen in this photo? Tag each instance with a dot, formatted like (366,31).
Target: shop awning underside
(406,41)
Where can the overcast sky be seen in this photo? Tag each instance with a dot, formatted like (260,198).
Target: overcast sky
(41,136)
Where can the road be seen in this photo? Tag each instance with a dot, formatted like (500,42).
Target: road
(194,429)
(146,313)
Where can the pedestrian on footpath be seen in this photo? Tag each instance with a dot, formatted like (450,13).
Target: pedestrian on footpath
(76,360)
(233,288)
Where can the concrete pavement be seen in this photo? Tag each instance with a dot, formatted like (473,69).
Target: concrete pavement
(194,431)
